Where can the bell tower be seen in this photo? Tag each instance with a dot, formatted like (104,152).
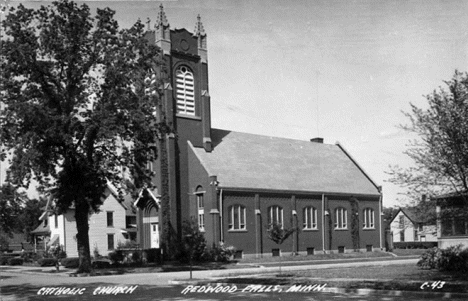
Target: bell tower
(186,103)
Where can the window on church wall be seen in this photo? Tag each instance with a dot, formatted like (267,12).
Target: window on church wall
(185,91)
(275,215)
(310,218)
(237,217)
(341,218)
(368,222)
(200,208)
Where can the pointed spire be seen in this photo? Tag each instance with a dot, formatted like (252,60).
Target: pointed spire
(200,33)
(199,29)
(162,31)
(161,19)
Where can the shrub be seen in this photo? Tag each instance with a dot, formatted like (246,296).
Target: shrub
(101,264)
(415,245)
(47,262)
(221,253)
(430,259)
(452,259)
(136,257)
(116,256)
(71,262)
(15,261)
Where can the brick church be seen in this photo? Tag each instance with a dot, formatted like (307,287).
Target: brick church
(234,185)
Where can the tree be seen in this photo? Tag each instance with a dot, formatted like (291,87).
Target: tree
(28,219)
(439,155)
(10,208)
(76,113)
(278,234)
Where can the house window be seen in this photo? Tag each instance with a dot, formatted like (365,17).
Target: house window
(368,218)
(201,209)
(275,215)
(402,235)
(402,221)
(310,218)
(130,221)
(237,217)
(56,221)
(46,221)
(110,241)
(341,218)
(185,91)
(110,219)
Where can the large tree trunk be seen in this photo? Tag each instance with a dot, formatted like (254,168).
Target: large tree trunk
(82,238)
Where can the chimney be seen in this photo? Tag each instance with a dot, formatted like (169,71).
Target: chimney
(317,140)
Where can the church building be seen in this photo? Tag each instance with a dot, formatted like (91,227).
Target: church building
(236,185)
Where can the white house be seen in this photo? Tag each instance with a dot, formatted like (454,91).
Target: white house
(406,227)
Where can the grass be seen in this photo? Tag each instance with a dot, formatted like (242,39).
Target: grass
(393,277)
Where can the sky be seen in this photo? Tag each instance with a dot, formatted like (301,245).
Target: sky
(338,69)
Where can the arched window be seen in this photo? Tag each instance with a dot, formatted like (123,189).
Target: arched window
(200,208)
(310,218)
(341,218)
(185,91)
(237,217)
(368,218)
(275,215)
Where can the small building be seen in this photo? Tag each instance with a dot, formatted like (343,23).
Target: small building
(114,224)
(406,226)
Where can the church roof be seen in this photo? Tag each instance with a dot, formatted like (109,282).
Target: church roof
(255,162)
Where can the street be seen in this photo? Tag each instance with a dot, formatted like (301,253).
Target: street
(21,286)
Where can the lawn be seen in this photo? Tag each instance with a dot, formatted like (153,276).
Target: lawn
(393,277)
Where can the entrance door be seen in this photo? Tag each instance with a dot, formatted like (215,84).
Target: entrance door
(154,235)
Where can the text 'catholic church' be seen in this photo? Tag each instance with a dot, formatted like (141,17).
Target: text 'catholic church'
(235,185)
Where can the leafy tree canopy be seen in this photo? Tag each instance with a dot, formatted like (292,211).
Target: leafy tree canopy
(440,154)
(75,107)
(10,208)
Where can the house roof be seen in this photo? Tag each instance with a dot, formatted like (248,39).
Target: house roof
(248,161)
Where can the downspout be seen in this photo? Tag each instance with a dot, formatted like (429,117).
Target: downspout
(380,216)
(221,214)
(323,223)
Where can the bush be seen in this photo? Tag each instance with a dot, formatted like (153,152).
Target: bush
(4,258)
(415,245)
(71,262)
(47,262)
(116,256)
(221,253)
(101,264)
(429,260)
(15,261)
(452,259)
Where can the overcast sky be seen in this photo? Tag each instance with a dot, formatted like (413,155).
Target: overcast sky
(342,70)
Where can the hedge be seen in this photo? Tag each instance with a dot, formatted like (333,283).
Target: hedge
(4,258)
(71,262)
(15,261)
(415,245)
(47,262)
(101,264)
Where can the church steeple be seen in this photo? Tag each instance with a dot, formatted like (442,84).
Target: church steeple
(199,32)
(162,31)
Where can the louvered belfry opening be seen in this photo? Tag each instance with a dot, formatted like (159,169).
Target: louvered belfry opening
(185,89)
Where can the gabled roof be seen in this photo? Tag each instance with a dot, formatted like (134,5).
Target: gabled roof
(248,161)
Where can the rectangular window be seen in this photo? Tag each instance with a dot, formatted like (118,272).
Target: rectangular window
(402,221)
(110,219)
(56,221)
(275,215)
(310,218)
(110,241)
(130,221)
(368,218)
(201,212)
(237,218)
(341,216)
